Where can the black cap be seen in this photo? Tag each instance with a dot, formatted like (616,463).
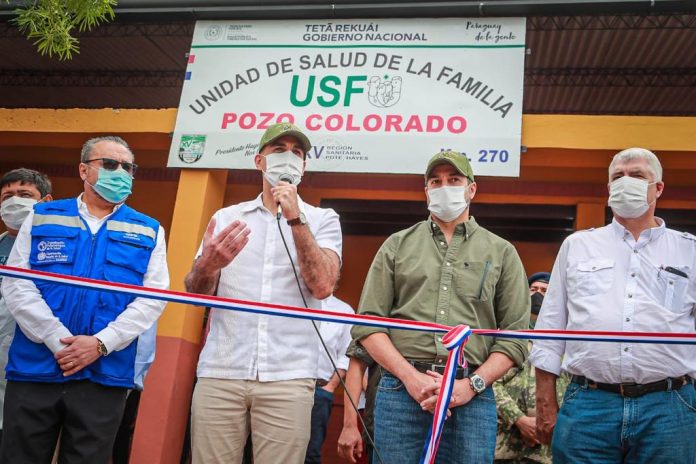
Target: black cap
(539,277)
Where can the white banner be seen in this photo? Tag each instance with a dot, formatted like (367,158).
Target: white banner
(379,96)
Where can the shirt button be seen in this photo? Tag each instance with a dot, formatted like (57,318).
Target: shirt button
(633,274)
(626,349)
(444,288)
(635,251)
(439,339)
(449,264)
(630,295)
(628,319)
(439,361)
(442,312)
(442,243)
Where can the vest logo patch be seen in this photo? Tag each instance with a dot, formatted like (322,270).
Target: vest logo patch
(132,236)
(52,251)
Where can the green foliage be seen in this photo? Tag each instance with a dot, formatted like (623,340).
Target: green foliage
(51,23)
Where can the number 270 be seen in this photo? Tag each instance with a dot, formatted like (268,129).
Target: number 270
(489,156)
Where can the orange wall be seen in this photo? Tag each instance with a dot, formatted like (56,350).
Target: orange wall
(154,198)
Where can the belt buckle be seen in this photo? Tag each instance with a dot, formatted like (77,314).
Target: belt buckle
(630,390)
(438,368)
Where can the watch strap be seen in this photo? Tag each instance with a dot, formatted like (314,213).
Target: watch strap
(101,348)
(299,220)
(477,383)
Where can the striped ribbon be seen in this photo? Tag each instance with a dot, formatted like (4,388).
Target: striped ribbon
(454,340)
(342,318)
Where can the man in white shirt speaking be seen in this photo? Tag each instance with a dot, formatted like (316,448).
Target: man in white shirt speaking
(627,402)
(256,373)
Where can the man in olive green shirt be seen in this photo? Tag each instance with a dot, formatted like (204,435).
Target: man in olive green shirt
(447,270)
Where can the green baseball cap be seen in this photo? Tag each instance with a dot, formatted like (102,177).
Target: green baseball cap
(456,159)
(281,129)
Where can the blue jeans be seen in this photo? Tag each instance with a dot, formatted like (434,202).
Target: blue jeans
(321,411)
(401,427)
(597,427)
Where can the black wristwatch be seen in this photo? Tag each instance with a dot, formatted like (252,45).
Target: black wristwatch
(477,383)
(301,220)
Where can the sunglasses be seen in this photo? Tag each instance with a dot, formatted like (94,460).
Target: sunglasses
(112,165)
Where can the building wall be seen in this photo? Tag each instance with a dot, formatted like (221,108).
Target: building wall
(565,164)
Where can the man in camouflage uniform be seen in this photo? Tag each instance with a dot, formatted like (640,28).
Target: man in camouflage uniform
(515,395)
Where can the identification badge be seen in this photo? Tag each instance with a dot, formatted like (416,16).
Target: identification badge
(52,251)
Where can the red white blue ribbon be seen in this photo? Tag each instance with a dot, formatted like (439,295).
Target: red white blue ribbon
(454,340)
(342,318)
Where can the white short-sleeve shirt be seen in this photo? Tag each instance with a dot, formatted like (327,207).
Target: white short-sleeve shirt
(336,337)
(261,347)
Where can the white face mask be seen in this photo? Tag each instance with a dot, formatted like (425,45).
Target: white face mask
(447,203)
(282,165)
(15,210)
(628,197)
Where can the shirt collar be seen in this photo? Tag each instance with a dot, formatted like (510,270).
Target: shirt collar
(466,228)
(257,203)
(649,234)
(84,210)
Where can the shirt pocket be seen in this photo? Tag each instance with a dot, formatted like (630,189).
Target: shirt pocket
(671,289)
(127,258)
(474,279)
(593,276)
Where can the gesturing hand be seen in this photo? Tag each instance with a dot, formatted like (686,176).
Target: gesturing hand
(218,251)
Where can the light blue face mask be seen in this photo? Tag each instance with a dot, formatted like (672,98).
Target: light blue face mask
(113,186)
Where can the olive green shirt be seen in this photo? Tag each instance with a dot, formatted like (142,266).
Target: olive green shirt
(477,279)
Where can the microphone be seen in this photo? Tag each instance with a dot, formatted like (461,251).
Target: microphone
(285,177)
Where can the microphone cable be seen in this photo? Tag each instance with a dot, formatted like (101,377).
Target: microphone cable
(323,343)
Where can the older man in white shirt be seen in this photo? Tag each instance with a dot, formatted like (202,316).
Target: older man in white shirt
(256,373)
(628,402)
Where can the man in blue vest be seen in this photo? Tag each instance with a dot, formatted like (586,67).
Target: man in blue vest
(73,356)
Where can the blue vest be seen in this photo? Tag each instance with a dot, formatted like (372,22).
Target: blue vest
(62,242)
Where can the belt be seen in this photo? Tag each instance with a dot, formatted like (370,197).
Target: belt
(634,390)
(422,366)
(322,382)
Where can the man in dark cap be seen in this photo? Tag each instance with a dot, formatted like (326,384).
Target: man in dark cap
(515,394)
(538,283)
(257,373)
(449,270)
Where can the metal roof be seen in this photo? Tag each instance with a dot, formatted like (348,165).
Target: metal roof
(633,64)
